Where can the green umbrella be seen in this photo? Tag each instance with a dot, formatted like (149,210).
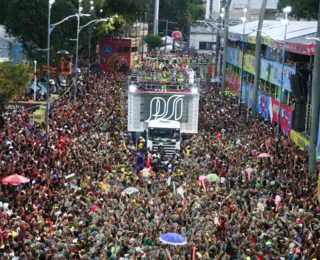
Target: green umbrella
(212,177)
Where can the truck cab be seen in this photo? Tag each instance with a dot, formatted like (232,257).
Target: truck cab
(164,132)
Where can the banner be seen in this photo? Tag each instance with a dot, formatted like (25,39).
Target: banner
(299,140)
(53,96)
(305,49)
(39,116)
(233,83)
(263,105)
(285,116)
(233,56)
(271,72)
(249,61)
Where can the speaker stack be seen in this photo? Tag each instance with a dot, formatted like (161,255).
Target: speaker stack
(299,119)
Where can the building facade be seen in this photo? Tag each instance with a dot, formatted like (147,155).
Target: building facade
(213,8)
(202,38)
(290,88)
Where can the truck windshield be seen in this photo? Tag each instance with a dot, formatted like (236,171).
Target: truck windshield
(163,134)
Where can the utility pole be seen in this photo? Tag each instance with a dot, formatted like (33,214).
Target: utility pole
(143,43)
(165,41)
(89,46)
(315,102)
(242,61)
(225,45)
(258,59)
(218,42)
(156,17)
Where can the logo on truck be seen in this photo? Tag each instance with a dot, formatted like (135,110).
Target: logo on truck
(160,108)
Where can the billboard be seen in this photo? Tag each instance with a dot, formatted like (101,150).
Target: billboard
(146,106)
(270,71)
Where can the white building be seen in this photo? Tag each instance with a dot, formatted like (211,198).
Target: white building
(202,38)
(213,8)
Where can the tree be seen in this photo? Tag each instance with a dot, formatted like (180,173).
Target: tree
(153,41)
(28,20)
(183,12)
(301,9)
(14,79)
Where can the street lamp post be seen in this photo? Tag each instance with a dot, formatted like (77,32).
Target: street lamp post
(77,58)
(79,29)
(285,21)
(51,2)
(50,29)
(222,15)
(35,81)
(243,19)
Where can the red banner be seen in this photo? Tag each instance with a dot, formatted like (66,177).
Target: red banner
(305,49)
(285,116)
(232,82)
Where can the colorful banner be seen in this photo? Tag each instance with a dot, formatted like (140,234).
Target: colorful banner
(53,96)
(270,71)
(233,56)
(299,140)
(39,116)
(249,61)
(232,82)
(305,49)
(263,105)
(285,116)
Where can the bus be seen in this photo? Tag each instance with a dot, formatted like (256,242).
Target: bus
(118,53)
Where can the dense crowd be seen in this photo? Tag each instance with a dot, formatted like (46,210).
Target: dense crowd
(74,208)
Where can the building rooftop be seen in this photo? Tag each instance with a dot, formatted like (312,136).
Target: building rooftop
(275,30)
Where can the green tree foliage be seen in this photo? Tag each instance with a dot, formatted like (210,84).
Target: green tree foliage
(301,9)
(28,20)
(14,79)
(153,41)
(183,12)
(3,10)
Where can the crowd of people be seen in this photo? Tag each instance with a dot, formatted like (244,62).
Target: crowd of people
(74,206)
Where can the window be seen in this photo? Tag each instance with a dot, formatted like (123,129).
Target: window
(205,45)
(123,49)
(134,49)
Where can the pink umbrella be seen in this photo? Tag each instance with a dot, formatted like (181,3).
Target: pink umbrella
(277,201)
(202,179)
(15,179)
(94,208)
(264,155)
(249,171)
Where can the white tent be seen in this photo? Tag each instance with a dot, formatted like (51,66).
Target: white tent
(169,39)
(6,43)
(170,47)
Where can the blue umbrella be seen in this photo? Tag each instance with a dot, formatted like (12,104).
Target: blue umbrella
(173,239)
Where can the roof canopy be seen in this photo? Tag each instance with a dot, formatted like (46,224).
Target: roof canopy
(273,34)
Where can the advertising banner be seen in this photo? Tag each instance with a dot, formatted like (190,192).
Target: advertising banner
(233,56)
(39,116)
(305,49)
(263,105)
(249,61)
(285,117)
(271,72)
(233,83)
(299,140)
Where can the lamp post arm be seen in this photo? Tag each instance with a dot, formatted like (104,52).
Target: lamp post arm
(52,26)
(96,21)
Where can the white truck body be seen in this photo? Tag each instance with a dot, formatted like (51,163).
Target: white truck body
(164,132)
